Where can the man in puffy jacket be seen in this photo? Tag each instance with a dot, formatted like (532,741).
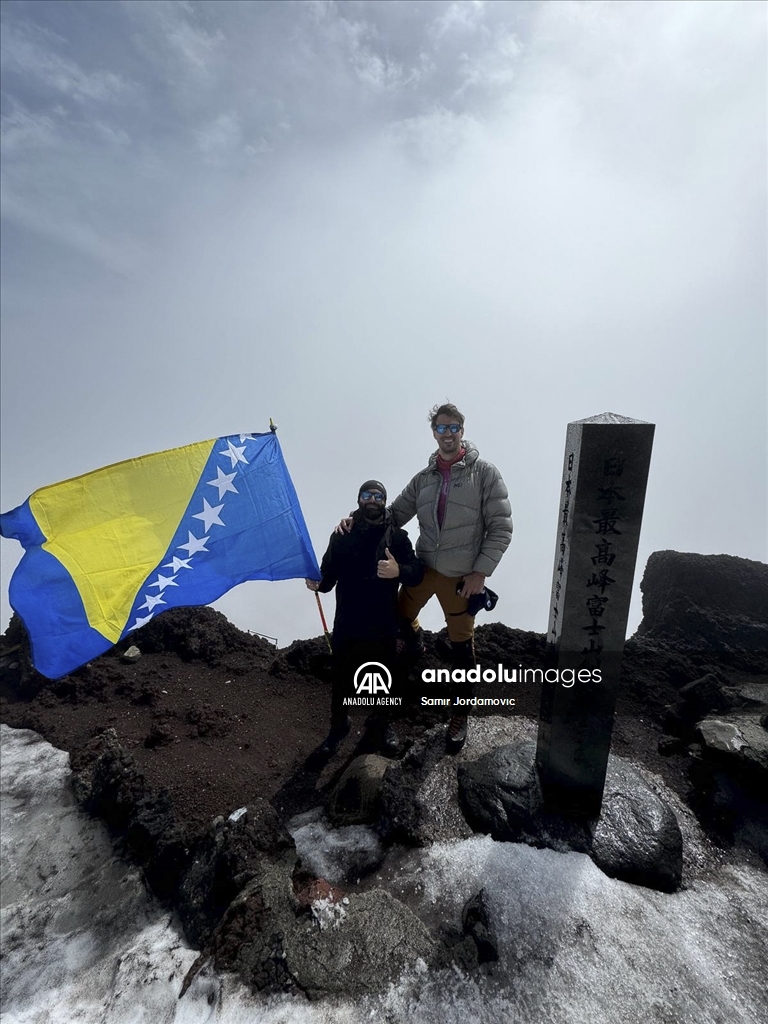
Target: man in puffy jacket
(367,566)
(465,526)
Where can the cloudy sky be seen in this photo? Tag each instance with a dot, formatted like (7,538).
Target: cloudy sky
(339,213)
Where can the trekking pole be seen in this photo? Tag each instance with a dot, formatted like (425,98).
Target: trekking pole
(325,624)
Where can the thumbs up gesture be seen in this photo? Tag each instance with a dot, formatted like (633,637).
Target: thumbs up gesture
(388,569)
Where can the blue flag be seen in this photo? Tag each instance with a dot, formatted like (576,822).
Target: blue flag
(108,551)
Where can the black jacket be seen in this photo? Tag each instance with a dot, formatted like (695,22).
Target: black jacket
(366,606)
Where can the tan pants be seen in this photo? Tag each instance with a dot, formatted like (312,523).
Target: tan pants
(411,600)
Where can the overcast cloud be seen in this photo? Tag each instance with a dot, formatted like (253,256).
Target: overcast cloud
(337,214)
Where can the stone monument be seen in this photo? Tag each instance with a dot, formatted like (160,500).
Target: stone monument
(605,473)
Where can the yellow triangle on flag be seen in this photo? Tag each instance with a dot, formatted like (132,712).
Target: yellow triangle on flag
(111,528)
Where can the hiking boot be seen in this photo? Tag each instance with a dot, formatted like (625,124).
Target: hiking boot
(410,641)
(456,735)
(463,653)
(333,740)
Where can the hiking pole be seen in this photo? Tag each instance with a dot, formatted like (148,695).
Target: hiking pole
(325,624)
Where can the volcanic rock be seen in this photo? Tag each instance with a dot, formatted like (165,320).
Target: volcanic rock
(419,794)
(369,944)
(706,603)
(230,855)
(355,798)
(739,743)
(107,783)
(636,838)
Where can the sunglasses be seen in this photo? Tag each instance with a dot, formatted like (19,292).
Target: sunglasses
(367,495)
(442,427)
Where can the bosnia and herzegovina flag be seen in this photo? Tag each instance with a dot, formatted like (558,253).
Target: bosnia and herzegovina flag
(108,551)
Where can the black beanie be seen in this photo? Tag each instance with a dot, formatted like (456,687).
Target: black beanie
(372,485)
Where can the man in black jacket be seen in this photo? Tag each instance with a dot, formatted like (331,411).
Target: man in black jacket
(367,567)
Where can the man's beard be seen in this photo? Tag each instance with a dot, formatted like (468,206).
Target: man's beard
(373,514)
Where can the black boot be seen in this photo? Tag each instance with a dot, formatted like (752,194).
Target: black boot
(463,654)
(456,736)
(410,641)
(332,741)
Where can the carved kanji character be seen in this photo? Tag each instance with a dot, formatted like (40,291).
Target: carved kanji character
(600,579)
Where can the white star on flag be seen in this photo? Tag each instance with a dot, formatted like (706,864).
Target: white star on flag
(151,601)
(164,581)
(234,453)
(209,515)
(194,544)
(224,482)
(141,622)
(178,563)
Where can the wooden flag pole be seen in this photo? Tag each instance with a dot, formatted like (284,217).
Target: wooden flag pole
(325,624)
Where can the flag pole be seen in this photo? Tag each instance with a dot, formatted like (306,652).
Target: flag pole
(325,624)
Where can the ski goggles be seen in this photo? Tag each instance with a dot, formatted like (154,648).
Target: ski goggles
(442,427)
(367,495)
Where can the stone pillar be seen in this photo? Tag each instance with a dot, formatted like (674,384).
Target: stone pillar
(601,507)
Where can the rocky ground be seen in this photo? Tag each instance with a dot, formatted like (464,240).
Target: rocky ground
(218,717)
(209,719)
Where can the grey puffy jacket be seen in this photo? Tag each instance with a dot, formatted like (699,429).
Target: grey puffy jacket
(477,527)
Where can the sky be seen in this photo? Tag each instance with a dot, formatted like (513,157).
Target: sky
(337,214)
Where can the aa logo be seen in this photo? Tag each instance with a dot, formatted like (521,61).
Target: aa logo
(373,677)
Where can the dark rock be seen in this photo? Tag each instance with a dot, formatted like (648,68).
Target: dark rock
(228,858)
(18,677)
(108,784)
(670,745)
(637,837)
(400,818)
(257,927)
(210,721)
(278,942)
(160,735)
(500,792)
(420,795)
(355,798)
(375,932)
(730,799)
(476,922)
(737,744)
(707,603)
(307,657)
(495,642)
(704,695)
(201,633)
